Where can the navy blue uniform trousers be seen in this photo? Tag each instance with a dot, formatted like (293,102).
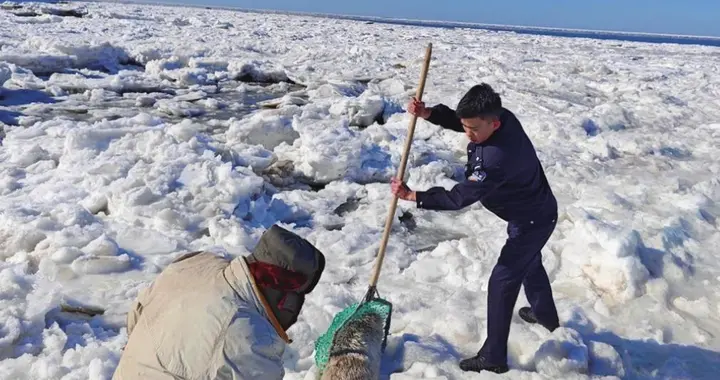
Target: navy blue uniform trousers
(520,262)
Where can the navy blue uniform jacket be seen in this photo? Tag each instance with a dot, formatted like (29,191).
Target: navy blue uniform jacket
(503,173)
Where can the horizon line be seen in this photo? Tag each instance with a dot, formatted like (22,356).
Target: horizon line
(396,20)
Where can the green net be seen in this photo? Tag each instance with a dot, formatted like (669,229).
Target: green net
(324,344)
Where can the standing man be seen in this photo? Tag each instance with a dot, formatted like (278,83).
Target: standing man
(505,175)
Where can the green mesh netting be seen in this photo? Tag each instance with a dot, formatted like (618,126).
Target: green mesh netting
(324,344)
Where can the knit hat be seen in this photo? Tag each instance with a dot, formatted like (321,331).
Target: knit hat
(286,267)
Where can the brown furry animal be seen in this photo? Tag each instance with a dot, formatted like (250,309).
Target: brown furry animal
(357,350)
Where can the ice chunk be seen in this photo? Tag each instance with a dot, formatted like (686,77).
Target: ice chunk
(101,264)
(612,260)
(605,360)
(66,255)
(268,129)
(5,74)
(102,246)
(362,111)
(563,354)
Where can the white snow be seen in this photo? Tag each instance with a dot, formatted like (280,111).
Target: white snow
(130,136)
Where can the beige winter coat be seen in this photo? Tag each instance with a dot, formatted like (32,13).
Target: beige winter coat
(202,319)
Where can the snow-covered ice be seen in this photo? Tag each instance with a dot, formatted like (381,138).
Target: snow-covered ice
(134,133)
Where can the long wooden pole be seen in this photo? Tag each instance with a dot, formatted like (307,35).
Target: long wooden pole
(401,172)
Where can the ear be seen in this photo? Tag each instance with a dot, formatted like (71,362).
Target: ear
(496,124)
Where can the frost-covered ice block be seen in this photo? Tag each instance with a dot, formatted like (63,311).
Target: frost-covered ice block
(605,360)
(184,130)
(66,255)
(362,111)
(143,241)
(178,108)
(610,256)
(14,238)
(100,256)
(334,89)
(328,151)
(101,264)
(254,156)
(24,156)
(563,353)
(44,55)
(5,75)
(102,246)
(268,128)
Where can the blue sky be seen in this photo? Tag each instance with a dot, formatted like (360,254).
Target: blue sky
(696,17)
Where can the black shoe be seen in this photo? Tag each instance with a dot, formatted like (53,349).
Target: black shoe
(478,364)
(528,316)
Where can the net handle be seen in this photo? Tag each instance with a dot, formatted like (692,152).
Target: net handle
(400,175)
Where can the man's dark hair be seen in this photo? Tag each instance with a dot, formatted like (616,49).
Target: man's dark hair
(480,101)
